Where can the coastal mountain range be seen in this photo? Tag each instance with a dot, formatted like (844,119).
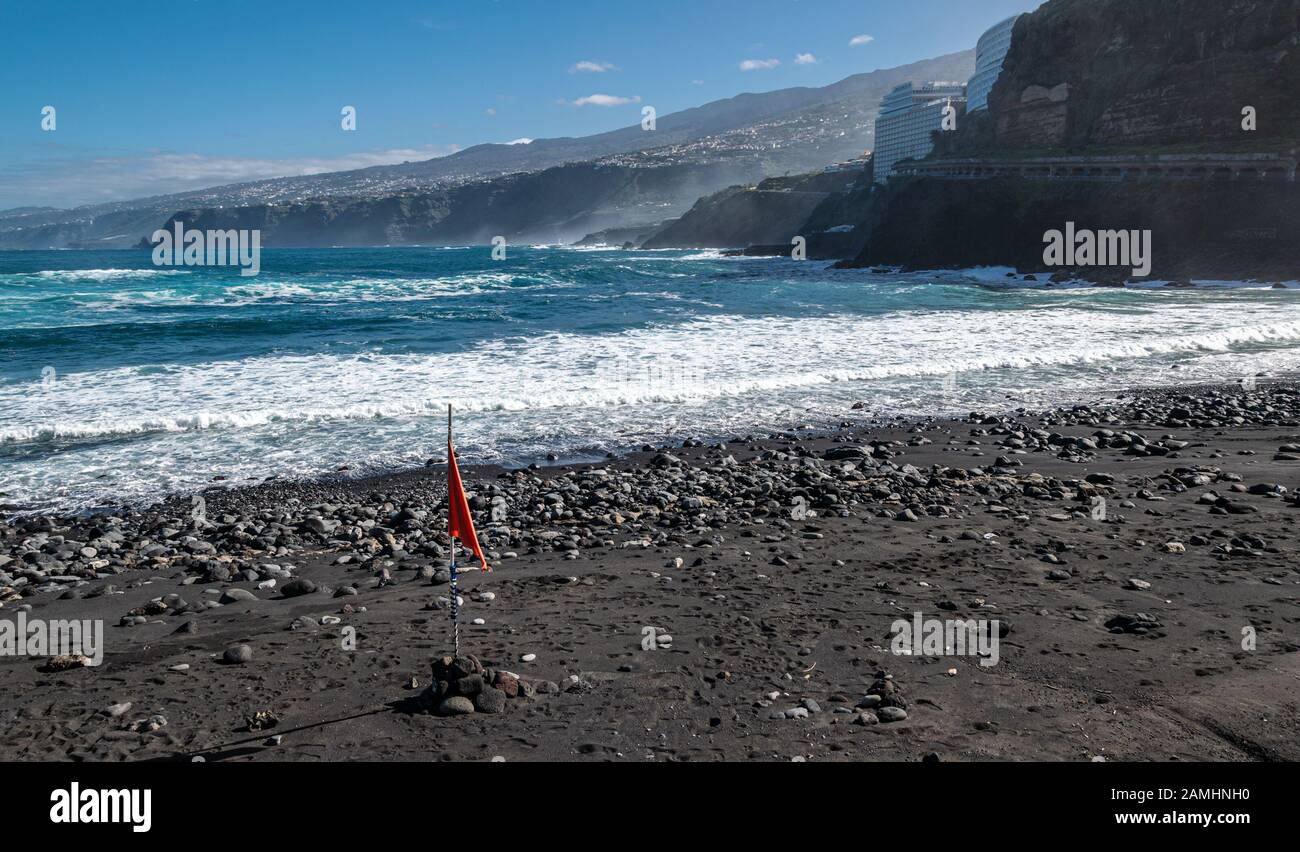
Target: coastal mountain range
(1082,78)
(571,186)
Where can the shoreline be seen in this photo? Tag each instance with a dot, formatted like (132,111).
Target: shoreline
(339,477)
(851,421)
(777,566)
(74,453)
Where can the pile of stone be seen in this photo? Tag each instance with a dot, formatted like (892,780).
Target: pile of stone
(1137,624)
(883,702)
(462,685)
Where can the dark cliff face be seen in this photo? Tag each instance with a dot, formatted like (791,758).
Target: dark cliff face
(554,205)
(1096,77)
(738,217)
(771,213)
(1089,75)
(1214,230)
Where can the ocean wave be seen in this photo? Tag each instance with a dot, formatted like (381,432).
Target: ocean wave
(694,362)
(246,293)
(102,275)
(1006,277)
(600,350)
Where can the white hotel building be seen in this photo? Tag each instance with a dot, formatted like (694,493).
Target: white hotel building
(990,51)
(907,117)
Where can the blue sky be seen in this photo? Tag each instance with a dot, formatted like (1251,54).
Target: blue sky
(156,97)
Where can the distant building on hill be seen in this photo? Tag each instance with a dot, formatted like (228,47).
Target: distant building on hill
(990,51)
(907,117)
(856,164)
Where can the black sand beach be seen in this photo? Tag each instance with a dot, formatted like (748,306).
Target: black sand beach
(774,565)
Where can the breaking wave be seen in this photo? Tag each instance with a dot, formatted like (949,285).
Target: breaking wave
(165,378)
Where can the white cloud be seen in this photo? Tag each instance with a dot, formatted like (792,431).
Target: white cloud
(590,67)
(605,100)
(490,111)
(697,82)
(61,182)
(758,64)
(805,59)
(522,140)
(859,40)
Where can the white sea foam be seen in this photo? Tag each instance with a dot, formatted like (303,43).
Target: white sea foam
(240,292)
(101,275)
(136,431)
(695,361)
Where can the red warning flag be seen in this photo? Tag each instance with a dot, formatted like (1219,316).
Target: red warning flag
(460,524)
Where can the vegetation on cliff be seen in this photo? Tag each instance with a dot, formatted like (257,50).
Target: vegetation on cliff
(769,213)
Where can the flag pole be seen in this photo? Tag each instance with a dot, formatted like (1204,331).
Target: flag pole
(455,596)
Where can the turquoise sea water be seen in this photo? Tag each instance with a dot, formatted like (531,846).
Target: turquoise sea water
(121,381)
